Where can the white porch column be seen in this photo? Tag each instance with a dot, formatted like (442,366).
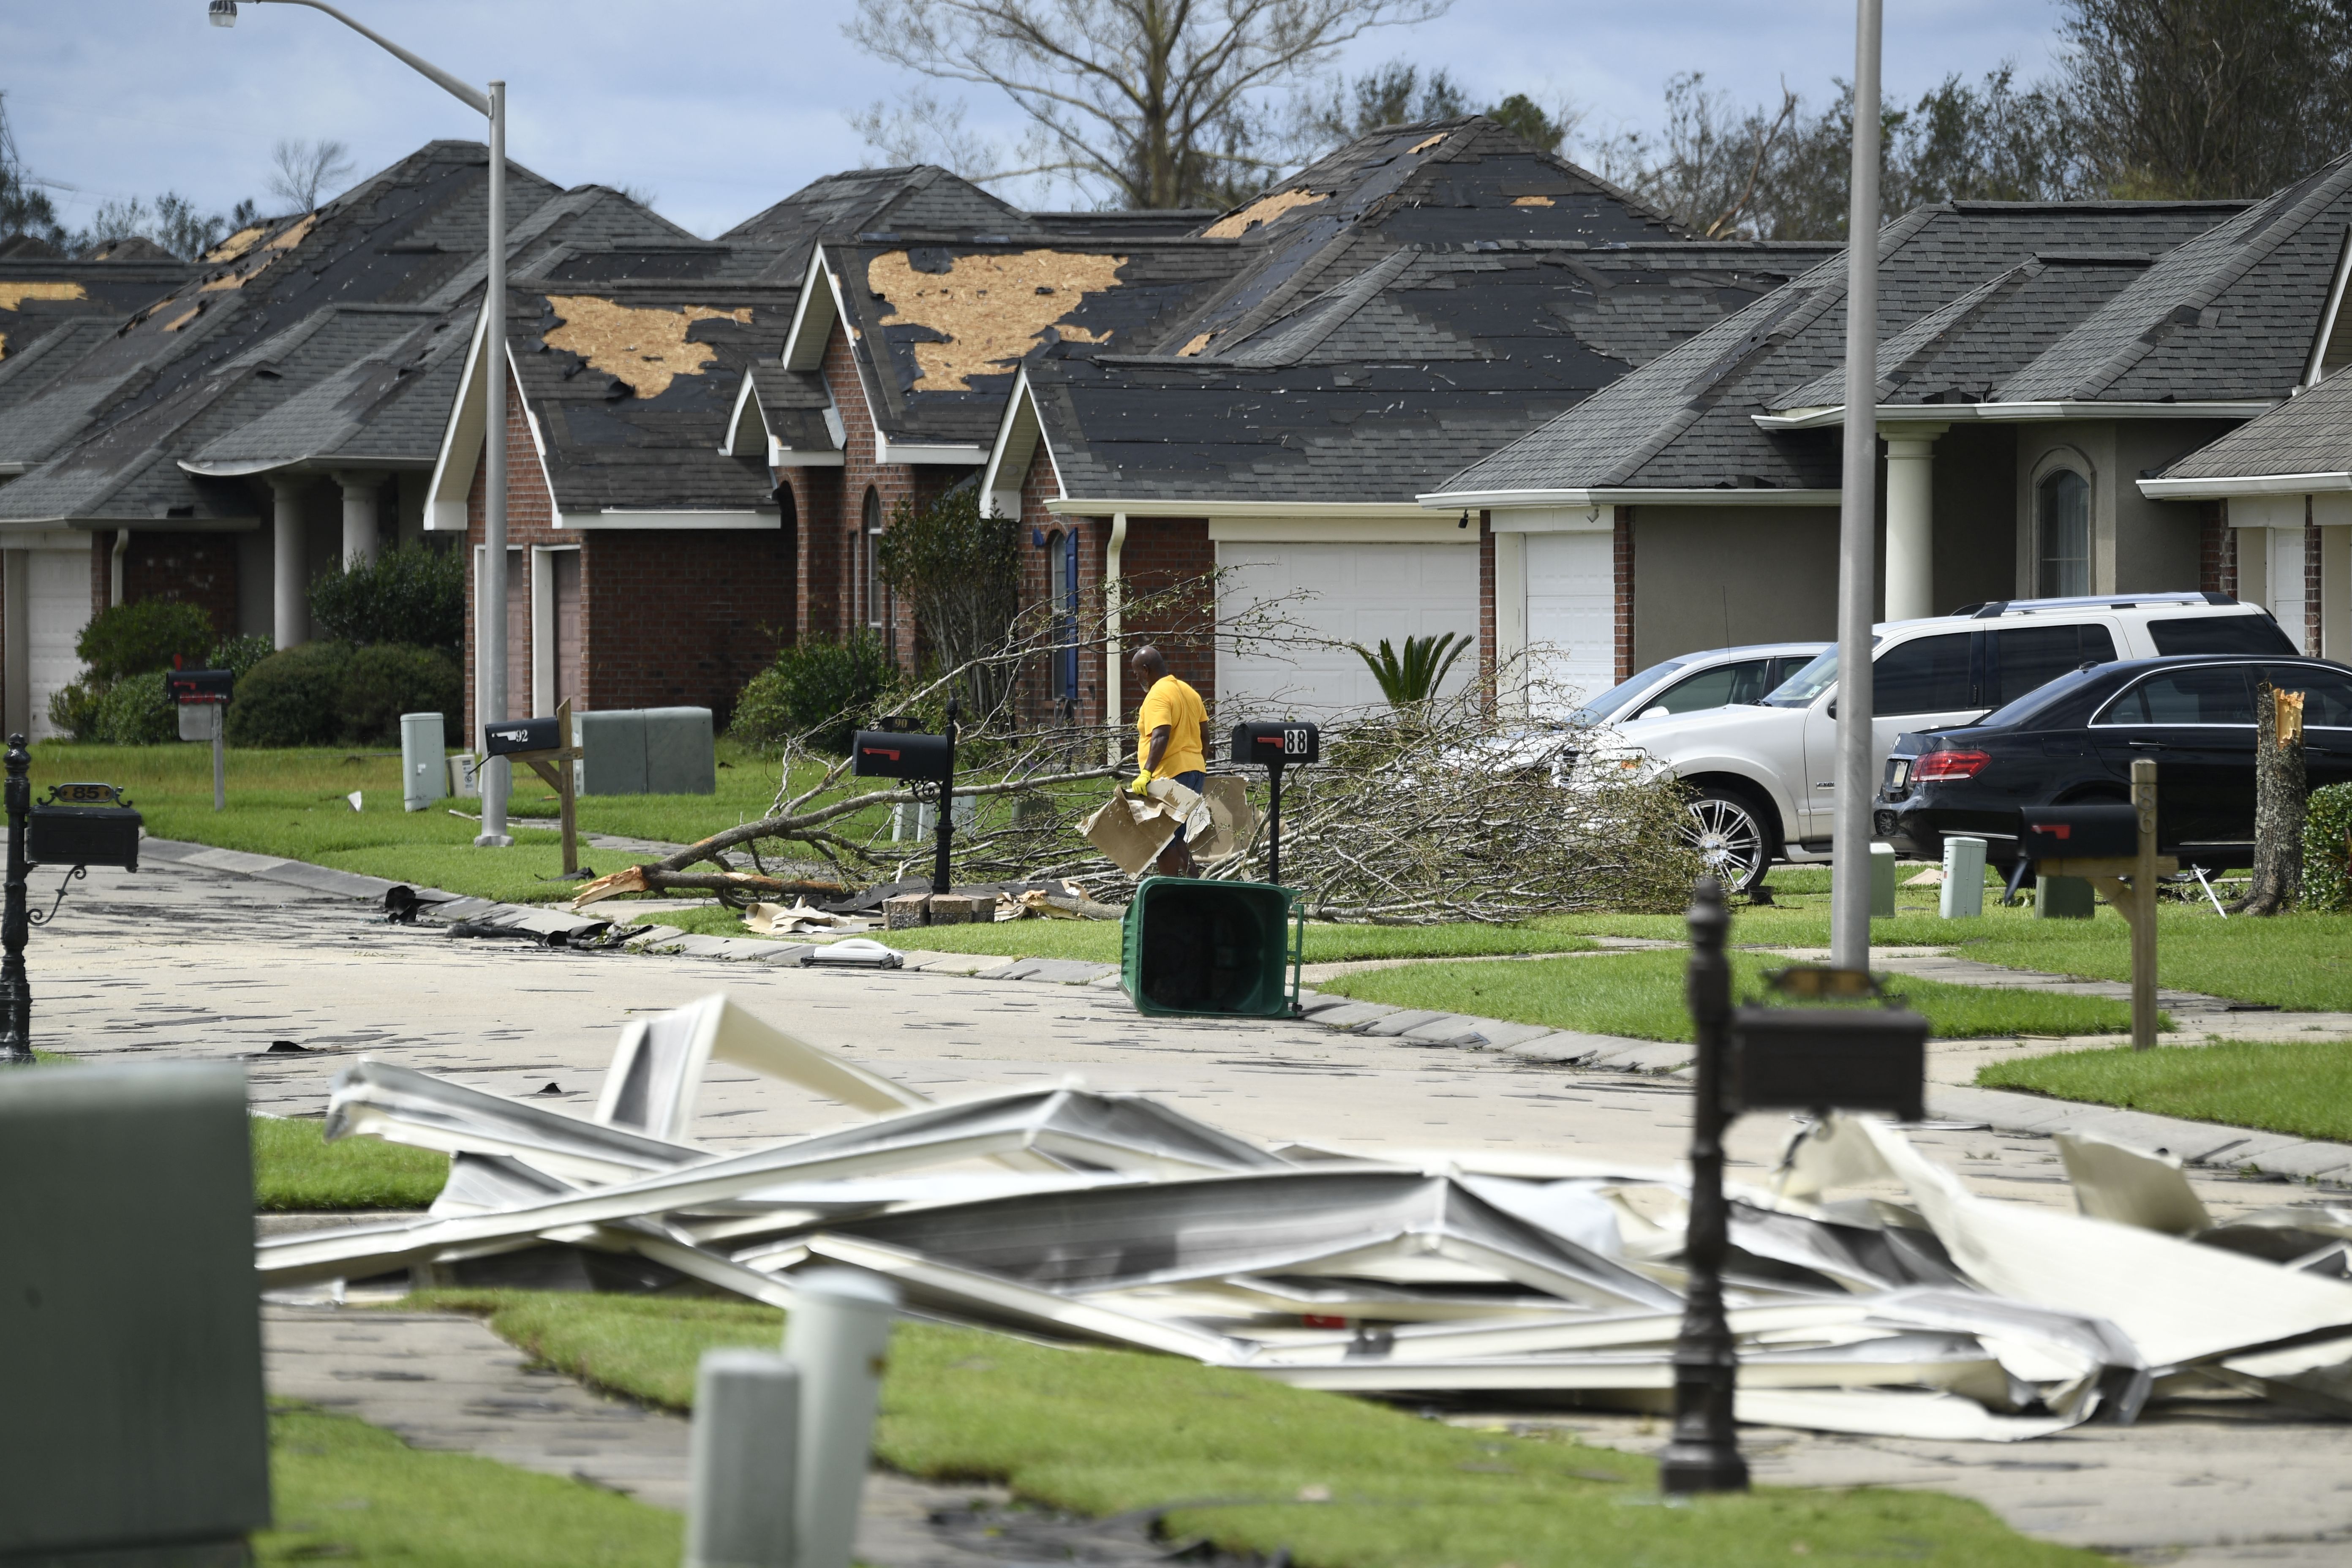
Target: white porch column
(1910,518)
(289,596)
(360,491)
(1511,623)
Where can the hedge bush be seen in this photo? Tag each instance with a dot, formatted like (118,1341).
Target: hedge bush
(822,690)
(73,709)
(2327,848)
(383,682)
(293,697)
(137,711)
(127,639)
(412,593)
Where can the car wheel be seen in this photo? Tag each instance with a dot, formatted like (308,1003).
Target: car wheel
(1730,836)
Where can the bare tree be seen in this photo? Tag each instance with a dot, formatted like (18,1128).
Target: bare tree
(305,168)
(1158,103)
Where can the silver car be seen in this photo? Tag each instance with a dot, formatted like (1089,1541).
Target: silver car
(1715,678)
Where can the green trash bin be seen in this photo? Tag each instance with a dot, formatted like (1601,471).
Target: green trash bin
(1191,946)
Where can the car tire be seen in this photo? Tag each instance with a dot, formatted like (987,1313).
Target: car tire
(1731,835)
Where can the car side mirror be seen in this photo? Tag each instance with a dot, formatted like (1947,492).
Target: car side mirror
(1833,707)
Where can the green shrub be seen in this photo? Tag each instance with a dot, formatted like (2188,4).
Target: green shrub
(385,681)
(237,655)
(124,639)
(2327,848)
(822,690)
(74,709)
(136,711)
(293,697)
(413,594)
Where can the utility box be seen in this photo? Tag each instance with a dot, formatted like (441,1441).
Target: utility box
(2064,898)
(613,751)
(1189,945)
(464,784)
(679,756)
(1962,894)
(423,768)
(130,1321)
(1882,881)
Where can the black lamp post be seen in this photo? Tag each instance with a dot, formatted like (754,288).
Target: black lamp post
(945,824)
(1703,1455)
(16,918)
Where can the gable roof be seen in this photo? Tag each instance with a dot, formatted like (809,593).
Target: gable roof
(2302,446)
(41,290)
(1379,386)
(1986,285)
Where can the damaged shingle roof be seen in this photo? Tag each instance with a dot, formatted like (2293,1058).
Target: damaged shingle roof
(41,291)
(1999,272)
(1391,379)
(329,338)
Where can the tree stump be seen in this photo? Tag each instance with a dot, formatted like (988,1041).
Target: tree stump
(2280,788)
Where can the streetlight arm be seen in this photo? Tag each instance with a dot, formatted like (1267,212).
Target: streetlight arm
(473,98)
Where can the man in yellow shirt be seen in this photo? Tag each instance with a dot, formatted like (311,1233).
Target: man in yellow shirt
(1171,729)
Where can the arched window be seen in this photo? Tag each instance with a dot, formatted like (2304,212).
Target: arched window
(2062,526)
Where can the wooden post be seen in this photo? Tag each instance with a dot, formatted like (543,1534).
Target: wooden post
(2142,908)
(555,768)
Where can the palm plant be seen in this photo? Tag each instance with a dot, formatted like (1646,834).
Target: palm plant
(1412,679)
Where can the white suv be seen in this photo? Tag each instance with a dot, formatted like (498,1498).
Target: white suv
(1764,776)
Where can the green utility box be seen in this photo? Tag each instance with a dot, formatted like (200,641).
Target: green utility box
(1210,949)
(2064,898)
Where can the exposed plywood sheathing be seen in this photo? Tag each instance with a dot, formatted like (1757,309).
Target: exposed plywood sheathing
(296,235)
(646,348)
(1264,210)
(184,317)
(1531,201)
(238,243)
(991,309)
(13,295)
(1199,342)
(1425,143)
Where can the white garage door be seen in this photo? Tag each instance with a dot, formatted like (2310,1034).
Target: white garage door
(1571,616)
(1351,594)
(57,608)
(2284,600)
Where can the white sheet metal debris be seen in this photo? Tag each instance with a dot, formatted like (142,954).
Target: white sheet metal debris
(1869,1290)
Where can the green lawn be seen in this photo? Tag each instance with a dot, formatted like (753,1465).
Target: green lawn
(345,1490)
(295,1168)
(295,804)
(1641,995)
(1104,1432)
(2302,1088)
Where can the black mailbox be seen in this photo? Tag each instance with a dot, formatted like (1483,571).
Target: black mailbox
(1280,745)
(518,735)
(2090,832)
(83,824)
(199,685)
(1827,1058)
(901,755)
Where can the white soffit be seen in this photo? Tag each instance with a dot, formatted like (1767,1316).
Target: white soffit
(670,519)
(2243,485)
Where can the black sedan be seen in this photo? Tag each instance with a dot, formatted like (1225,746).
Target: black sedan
(2076,738)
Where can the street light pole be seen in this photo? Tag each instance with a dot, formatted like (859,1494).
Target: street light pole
(1857,756)
(490,602)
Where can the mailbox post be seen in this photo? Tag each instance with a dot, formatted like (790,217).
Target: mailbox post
(899,751)
(1761,1058)
(2105,845)
(202,697)
(79,827)
(1274,747)
(545,746)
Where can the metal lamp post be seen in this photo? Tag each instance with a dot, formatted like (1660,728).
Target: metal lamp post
(490,601)
(1857,763)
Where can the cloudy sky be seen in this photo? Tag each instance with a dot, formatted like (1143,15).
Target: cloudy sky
(720,107)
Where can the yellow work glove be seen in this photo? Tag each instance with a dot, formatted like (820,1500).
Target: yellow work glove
(1142,784)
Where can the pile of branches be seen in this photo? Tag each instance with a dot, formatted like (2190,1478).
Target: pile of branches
(1435,811)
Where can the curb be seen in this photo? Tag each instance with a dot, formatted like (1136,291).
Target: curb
(2210,1144)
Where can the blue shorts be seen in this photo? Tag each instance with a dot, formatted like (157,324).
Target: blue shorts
(1197,781)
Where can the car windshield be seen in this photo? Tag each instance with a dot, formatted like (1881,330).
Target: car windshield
(1605,706)
(2022,710)
(1801,689)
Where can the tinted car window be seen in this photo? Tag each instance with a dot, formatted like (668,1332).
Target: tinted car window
(1927,674)
(2031,707)
(2327,694)
(2026,656)
(1617,696)
(2210,695)
(2219,634)
(1716,687)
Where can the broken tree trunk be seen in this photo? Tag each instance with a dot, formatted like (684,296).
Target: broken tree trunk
(2280,788)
